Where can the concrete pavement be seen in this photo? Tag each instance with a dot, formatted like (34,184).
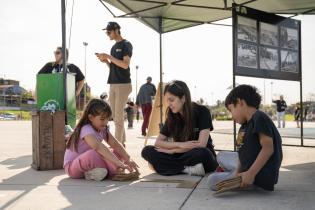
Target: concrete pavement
(24,188)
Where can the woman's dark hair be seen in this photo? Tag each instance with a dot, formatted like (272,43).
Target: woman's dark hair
(180,126)
(95,107)
(244,92)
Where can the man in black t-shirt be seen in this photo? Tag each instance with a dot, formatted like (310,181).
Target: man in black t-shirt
(119,76)
(56,67)
(281,107)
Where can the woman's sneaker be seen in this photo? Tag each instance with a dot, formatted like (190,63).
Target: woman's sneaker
(196,170)
(97,174)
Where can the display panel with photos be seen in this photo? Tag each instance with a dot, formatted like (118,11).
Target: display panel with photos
(266,45)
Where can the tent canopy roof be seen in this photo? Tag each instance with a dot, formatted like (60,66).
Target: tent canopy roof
(169,15)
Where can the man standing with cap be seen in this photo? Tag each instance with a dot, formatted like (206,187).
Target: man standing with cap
(119,76)
(281,107)
(144,98)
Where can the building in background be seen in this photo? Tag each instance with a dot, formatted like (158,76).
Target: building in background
(13,95)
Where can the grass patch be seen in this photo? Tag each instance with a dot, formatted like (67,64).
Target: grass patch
(25,115)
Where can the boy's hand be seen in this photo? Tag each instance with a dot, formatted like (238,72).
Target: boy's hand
(247,178)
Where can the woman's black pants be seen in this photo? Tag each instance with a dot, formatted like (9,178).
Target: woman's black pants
(171,164)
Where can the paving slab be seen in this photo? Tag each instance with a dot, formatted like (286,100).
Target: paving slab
(251,200)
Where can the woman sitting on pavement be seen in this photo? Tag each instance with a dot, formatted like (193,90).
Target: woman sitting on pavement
(189,125)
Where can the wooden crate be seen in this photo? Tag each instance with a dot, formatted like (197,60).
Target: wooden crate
(48,140)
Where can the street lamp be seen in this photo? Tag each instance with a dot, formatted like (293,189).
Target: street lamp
(85,85)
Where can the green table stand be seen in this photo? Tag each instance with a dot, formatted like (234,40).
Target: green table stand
(50,93)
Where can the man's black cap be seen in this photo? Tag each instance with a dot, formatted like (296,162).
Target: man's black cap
(112,26)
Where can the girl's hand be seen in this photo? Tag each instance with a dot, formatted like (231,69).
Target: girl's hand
(121,167)
(133,165)
(247,178)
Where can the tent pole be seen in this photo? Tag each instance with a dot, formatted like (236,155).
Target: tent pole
(64,60)
(301,112)
(161,72)
(301,91)
(234,66)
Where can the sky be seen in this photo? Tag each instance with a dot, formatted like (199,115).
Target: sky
(30,30)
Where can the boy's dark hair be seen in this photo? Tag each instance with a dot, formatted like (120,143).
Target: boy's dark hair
(244,92)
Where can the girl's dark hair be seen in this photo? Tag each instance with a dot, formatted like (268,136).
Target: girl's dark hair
(244,92)
(180,126)
(95,107)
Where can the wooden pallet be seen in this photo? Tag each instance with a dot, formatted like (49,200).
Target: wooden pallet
(48,141)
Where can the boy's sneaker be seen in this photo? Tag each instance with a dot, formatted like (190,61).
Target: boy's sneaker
(97,174)
(196,170)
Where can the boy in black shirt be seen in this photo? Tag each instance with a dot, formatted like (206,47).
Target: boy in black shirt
(258,143)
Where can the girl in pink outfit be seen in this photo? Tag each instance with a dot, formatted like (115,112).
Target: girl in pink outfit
(86,155)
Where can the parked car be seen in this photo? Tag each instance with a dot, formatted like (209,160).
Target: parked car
(8,116)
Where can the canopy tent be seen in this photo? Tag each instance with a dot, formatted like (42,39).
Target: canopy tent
(179,14)
(169,15)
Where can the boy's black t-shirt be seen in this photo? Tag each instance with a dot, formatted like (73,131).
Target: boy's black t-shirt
(118,75)
(201,120)
(51,67)
(248,146)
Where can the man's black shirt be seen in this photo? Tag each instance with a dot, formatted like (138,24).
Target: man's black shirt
(281,105)
(118,75)
(51,67)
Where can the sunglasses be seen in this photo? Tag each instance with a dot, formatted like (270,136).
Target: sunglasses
(57,52)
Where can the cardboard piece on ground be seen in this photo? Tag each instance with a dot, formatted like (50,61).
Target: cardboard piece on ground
(154,123)
(228,184)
